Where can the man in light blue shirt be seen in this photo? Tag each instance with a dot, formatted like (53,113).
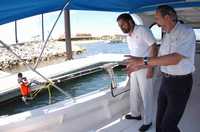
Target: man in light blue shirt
(176,58)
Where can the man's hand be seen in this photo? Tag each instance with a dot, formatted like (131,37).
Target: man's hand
(133,63)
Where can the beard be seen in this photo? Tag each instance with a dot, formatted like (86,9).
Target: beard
(125,30)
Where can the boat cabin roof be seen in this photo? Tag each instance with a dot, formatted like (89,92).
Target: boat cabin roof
(13,10)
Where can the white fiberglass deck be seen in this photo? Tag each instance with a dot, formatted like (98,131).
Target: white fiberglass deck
(189,122)
(122,125)
(9,82)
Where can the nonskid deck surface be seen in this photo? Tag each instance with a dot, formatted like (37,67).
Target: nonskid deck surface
(189,122)
(120,124)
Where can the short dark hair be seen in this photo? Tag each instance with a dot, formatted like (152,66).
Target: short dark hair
(126,17)
(167,10)
(20,74)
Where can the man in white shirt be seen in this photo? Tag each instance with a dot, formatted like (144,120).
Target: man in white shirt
(176,58)
(141,43)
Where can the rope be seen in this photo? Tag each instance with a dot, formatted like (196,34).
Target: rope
(35,93)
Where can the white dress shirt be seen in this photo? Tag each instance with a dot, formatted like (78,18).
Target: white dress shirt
(140,40)
(180,40)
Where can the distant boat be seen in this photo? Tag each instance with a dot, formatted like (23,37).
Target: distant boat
(114,41)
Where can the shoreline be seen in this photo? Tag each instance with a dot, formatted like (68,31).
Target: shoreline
(78,42)
(29,52)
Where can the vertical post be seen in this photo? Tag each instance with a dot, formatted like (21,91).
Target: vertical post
(42,28)
(16,38)
(67,34)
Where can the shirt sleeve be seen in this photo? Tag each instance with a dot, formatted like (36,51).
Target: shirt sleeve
(148,36)
(185,44)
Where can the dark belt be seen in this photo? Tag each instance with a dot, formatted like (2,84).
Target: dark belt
(169,75)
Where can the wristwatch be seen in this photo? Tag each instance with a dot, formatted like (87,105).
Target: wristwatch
(146,60)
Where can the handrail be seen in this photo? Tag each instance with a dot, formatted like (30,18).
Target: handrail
(114,88)
(109,68)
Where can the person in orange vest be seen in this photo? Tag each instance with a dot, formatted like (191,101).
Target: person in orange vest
(24,86)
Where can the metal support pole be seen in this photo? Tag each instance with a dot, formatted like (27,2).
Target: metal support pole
(16,38)
(42,27)
(67,34)
(45,43)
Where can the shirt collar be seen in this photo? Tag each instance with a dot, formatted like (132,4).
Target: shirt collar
(175,27)
(131,34)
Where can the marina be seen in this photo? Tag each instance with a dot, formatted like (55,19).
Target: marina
(29,53)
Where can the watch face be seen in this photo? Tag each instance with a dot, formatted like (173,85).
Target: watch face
(145,60)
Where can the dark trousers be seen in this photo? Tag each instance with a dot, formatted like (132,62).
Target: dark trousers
(173,96)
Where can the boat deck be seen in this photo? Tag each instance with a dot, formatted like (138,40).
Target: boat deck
(122,125)
(189,122)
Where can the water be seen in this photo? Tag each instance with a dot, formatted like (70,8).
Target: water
(91,49)
(76,87)
(96,48)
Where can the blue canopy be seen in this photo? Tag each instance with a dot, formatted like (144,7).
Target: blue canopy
(11,10)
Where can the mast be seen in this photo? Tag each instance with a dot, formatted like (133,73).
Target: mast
(67,34)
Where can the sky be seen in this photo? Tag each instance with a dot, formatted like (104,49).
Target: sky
(93,22)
